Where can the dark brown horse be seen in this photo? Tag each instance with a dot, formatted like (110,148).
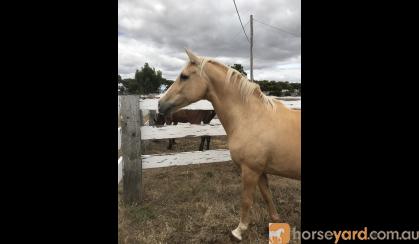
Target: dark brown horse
(187,116)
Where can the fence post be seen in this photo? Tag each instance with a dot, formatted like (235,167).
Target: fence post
(131,149)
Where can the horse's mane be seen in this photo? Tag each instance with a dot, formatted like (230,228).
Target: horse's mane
(246,88)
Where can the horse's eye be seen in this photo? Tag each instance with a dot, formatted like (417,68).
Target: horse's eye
(183,77)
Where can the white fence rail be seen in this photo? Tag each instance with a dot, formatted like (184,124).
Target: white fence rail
(151,104)
(181,130)
(185,158)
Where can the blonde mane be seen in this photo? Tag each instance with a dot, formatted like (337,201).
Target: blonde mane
(245,87)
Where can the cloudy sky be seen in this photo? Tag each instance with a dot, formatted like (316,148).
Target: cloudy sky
(157,32)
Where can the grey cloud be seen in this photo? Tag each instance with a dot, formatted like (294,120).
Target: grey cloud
(163,28)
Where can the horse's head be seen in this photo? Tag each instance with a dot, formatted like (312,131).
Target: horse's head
(159,119)
(188,87)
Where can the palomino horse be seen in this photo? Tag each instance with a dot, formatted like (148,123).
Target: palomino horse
(264,136)
(187,116)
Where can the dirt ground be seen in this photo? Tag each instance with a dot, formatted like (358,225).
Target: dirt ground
(200,203)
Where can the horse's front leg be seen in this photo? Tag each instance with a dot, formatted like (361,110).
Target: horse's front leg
(208,142)
(250,178)
(201,146)
(267,196)
(170,144)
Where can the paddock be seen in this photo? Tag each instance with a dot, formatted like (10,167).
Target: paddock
(188,196)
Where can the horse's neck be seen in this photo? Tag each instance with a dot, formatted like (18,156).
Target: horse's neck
(227,103)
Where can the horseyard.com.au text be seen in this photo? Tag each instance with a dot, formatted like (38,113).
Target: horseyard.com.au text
(363,234)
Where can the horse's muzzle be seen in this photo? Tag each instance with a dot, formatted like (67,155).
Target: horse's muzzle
(165,107)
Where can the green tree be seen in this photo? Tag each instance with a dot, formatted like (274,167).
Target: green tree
(297,88)
(148,80)
(269,87)
(279,88)
(131,85)
(287,93)
(239,68)
(167,82)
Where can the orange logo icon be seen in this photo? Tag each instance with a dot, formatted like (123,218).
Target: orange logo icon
(279,233)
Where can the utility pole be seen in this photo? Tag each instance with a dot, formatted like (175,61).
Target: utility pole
(251,47)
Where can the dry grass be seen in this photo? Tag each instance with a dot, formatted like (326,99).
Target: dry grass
(200,203)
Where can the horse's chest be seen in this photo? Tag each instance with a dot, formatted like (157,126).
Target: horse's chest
(247,150)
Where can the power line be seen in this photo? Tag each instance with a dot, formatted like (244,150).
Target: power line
(234,38)
(236,35)
(240,20)
(282,30)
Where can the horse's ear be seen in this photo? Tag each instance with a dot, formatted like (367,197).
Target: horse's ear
(192,57)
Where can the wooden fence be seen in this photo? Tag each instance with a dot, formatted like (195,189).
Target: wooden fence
(132,131)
